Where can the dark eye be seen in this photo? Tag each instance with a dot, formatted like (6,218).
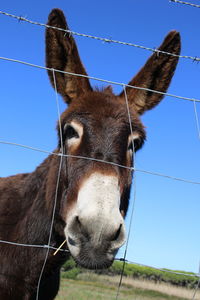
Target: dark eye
(70,132)
(136,143)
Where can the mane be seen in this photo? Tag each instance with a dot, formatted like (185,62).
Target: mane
(108,90)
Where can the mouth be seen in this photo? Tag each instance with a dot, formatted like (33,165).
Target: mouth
(87,256)
(95,259)
(93,265)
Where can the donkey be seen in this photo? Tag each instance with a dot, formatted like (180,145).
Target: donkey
(92,195)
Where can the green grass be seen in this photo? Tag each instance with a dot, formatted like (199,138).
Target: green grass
(140,283)
(91,290)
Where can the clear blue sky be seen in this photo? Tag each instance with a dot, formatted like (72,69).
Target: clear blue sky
(166,223)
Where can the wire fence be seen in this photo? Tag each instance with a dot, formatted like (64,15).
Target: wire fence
(102,39)
(185,3)
(61,154)
(101,80)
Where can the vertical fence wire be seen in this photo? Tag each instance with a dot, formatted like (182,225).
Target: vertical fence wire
(134,196)
(51,229)
(197,119)
(198,131)
(56,191)
(58,112)
(197,286)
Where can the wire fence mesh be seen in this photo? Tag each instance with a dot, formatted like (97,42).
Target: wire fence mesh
(48,247)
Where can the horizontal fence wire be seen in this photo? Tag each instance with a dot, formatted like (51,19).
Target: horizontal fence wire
(99,79)
(186,3)
(116,259)
(105,40)
(102,161)
(160,269)
(32,246)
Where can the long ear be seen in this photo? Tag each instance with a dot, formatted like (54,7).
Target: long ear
(155,75)
(62,54)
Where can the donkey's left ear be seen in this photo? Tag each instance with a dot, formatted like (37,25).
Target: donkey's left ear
(62,54)
(155,75)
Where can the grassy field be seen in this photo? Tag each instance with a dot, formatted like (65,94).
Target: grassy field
(100,287)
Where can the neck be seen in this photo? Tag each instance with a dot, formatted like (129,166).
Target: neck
(41,197)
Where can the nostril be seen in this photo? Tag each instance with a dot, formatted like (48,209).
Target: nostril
(80,227)
(75,226)
(78,221)
(117,233)
(71,241)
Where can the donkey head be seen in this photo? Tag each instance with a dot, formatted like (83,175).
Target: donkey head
(96,126)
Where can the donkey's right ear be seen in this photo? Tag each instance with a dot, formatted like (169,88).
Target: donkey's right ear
(62,54)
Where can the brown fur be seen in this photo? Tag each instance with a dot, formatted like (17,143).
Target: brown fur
(26,200)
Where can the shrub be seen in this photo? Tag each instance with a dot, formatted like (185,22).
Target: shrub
(136,271)
(69,265)
(71,274)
